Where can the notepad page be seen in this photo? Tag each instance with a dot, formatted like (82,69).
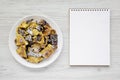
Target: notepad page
(89,37)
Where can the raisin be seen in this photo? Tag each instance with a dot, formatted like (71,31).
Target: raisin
(38,38)
(21,31)
(28,21)
(43,22)
(53,39)
(39,28)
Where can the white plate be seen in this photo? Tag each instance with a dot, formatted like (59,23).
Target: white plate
(46,62)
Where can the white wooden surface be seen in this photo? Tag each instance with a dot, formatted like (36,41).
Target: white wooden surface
(12,10)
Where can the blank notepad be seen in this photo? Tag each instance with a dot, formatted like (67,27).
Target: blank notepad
(89,37)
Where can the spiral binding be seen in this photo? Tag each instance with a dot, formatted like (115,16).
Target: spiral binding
(89,9)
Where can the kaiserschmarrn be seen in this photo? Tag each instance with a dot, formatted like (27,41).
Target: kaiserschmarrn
(35,40)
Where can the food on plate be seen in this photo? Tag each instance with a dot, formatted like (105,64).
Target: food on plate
(35,40)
